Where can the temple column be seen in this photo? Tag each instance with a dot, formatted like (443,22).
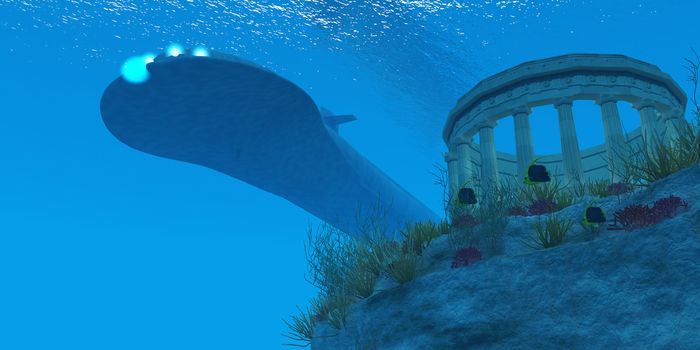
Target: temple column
(571,153)
(464,163)
(650,126)
(487,147)
(452,174)
(523,140)
(675,124)
(615,144)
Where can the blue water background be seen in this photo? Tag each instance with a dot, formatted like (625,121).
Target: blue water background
(105,247)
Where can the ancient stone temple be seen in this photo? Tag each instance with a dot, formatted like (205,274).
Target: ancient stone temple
(560,82)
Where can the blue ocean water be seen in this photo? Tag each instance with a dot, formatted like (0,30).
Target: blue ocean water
(104,247)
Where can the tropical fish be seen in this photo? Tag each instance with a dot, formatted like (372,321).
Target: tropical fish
(593,217)
(536,173)
(466,196)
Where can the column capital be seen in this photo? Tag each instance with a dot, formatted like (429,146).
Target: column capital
(563,101)
(487,124)
(644,103)
(603,99)
(450,157)
(462,140)
(523,109)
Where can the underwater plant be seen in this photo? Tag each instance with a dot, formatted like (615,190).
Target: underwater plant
(466,256)
(301,328)
(545,198)
(550,234)
(617,188)
(417,237)
(464,221)
(655,159)
(337,316)
(443,227)
(404,268)
(635,216)
(597,187)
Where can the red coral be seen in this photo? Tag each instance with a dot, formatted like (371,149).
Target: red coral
(636,215)
(542,206)
(517,211)
(666,208)
(466,256)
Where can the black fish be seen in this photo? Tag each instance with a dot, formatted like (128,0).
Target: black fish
(537,173)
(594,215)
(466,196)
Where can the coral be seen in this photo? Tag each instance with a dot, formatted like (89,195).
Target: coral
(636,215)
(517,211)
(466,256)
(542,206)
(666,208)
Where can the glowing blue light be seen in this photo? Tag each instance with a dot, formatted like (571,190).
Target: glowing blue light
(149,58)
(201,52)
(174,50)
(134,70)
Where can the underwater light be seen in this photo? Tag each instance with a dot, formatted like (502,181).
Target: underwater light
(174,50)
(200,52)
(149,58)
(134,70)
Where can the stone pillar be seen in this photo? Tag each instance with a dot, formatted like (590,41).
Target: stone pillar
(615,144)
(489,168)
(675,123)
(650,126)
(570,151)
(464,162)
(523,140)
(452,173)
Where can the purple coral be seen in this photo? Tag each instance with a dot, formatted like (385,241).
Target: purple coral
(636,215)
(517,211)
(466,256)
(667,207)
(542,206)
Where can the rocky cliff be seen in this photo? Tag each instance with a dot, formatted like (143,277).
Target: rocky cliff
(636,289)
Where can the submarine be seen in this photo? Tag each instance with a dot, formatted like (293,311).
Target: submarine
(238,118)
